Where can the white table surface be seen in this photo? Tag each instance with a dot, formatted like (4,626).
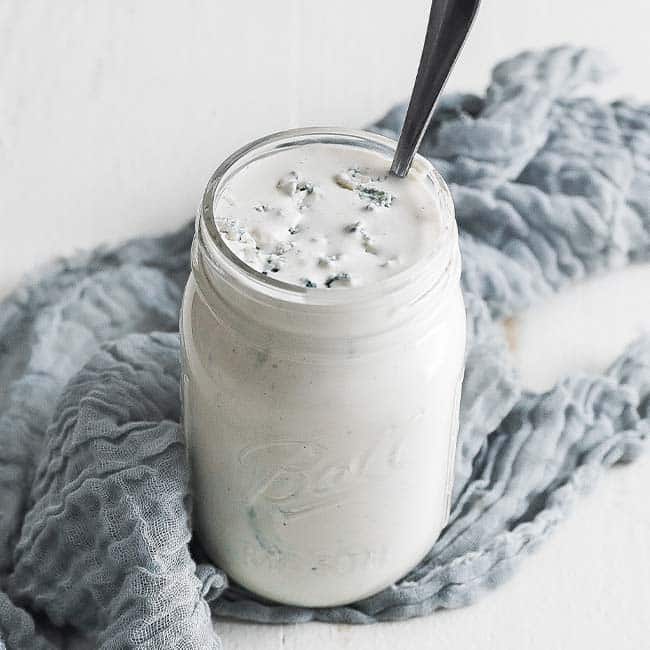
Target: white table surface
(114,113)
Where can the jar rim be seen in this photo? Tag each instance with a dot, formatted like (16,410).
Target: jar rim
(221,257)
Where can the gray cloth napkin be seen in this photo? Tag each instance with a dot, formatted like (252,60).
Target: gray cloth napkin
(94,496)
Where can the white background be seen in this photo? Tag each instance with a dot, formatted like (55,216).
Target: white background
(112,116)
(113,113)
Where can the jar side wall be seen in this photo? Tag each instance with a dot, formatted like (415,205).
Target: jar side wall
(329,330)
(297,469)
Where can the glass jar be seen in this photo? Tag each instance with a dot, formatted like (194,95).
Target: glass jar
(321,424)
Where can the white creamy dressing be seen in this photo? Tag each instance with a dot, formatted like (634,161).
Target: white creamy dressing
(322,440)
(327,216)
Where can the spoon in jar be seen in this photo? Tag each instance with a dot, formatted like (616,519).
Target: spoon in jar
(449,23)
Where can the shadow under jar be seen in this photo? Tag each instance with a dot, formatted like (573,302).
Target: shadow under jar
(321,424)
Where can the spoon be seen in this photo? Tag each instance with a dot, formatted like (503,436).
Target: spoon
(449,23)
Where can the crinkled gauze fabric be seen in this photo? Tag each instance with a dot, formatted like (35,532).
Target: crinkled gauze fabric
(94,497)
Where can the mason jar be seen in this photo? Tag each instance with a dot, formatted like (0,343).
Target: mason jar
(321,425)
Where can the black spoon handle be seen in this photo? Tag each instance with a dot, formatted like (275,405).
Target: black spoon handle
(449,23)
